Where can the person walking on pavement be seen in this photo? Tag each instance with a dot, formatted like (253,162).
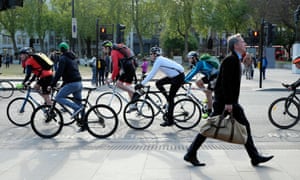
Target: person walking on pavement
(210,74)
(174,76)
(144,67)
(264,66)
(44,76)
(227,92)
(72,82)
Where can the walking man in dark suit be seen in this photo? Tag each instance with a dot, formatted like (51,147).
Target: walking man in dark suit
(227,92)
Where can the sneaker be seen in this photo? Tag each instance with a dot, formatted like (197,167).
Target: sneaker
(132,108)
(76,112)
(205,115)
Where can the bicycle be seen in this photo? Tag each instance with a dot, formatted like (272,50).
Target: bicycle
(284,112)
(100,120)
(189,94)
(6,89)
(115,99)
(142,116)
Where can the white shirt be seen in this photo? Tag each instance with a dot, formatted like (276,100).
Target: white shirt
(167,66)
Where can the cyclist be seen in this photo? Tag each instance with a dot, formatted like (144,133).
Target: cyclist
(72,82)
(295,84)
(123,79)
(174,76)
(210,75)
(44,77)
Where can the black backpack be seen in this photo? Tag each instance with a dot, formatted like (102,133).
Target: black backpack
(126,64)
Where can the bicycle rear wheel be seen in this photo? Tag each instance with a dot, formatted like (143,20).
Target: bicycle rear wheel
(112,100)
(6,89)
(138,115)
(19,111)
(46,122)
(284,113)
(187,113)
(101,126)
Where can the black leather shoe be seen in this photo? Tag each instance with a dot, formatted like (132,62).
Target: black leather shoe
(260,159)
(166,123)
(193,160)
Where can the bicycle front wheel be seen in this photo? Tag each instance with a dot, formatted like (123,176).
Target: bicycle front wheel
(187,113)
(6,89)
(284,113)
(19,111)
(110,99)
(101,126)
(46,122)
(138,115)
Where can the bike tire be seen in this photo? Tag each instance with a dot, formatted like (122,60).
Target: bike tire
(6,89)
(19,111)
(187,113)
(111,100)
(140,118)
(284,113)
(101,126)
(46,124)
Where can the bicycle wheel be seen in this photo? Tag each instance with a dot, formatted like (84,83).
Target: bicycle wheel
(98,125)
(110,99)
(187,113)
(6,89)
(284,113)
(19,111)
(138,115)
(46,122)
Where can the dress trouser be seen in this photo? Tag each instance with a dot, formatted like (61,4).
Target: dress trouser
(239,114)
(176,83)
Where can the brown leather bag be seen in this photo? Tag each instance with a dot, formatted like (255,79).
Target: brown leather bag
(225,128)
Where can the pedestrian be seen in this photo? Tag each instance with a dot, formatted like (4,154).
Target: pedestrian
(92,65)
(100,67)
(44,76)
(54,56)
(144,67)
(248,65)
(72,83)
(210,74)
(1,57)
(7,60)
(174,76)
(122,77)
(264,66)
(226,99)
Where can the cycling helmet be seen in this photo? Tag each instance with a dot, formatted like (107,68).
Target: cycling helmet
(192,54)
(155,50)
(26,50)
(63,46)
(107,43)
(296,60)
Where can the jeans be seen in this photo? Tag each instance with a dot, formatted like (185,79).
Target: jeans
(73,88)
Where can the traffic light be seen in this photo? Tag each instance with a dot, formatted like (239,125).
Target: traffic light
(8,4)
(255,37)
(103,34)
(120,33)
(271,31)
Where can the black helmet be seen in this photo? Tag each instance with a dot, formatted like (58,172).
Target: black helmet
(107,43)
(26,50)
(155,50)
(192,54)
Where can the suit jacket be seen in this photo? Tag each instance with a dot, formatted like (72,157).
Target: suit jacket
(227,89)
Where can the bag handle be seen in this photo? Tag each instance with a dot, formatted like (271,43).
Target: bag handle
(222,116)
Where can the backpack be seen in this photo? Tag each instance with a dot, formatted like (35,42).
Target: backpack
(126,63)
(43,60)
(211,60)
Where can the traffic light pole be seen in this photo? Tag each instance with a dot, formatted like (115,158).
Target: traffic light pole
(261,46)
(97,37)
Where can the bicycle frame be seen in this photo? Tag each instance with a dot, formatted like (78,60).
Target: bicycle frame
(190,94)
(147,97)
(117,93)
(27,98)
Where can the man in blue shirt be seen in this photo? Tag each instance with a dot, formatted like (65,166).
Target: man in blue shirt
(210,74)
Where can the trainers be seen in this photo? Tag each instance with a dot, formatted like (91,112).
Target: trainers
(132,108)
(76,112)
(205,115)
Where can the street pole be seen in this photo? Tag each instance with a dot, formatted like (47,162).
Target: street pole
(261,46)
(73,16)
(97,37)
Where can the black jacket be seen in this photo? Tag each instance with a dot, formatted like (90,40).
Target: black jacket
(227,89)
(67,69)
